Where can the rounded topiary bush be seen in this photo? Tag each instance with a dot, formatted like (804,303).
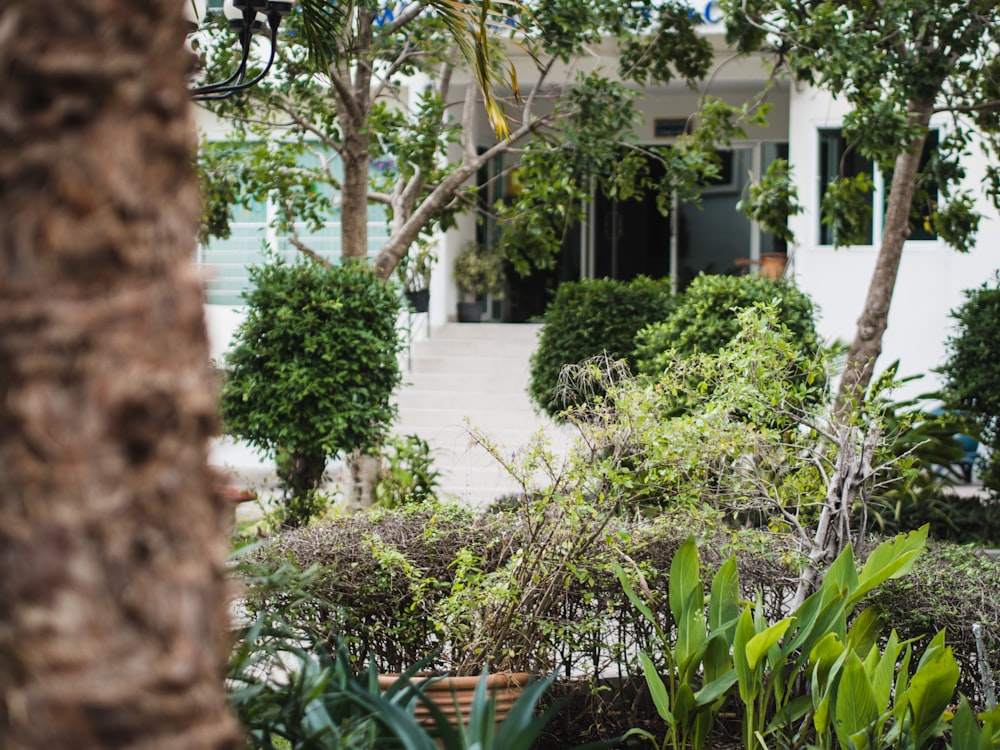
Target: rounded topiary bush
(590,317)
(706,318)
(312,370)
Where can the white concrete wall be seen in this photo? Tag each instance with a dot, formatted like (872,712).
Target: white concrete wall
(932,276)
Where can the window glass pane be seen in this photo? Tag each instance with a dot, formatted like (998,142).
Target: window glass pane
(836,160)
(925,198)
(226,261)
(769,152)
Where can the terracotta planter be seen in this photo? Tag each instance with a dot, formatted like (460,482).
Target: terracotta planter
(449,692)
(772,265)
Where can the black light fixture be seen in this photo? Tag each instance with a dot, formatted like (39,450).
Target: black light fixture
(246,18)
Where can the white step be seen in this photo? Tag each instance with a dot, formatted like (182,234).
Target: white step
(471,376)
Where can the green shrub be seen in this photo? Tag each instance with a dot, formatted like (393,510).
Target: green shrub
(312,371)
(378,578)
(706,318)
(950,588)
(972,372)
(407,474)
(587,318)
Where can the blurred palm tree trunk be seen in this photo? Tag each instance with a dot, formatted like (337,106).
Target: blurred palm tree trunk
(113,605)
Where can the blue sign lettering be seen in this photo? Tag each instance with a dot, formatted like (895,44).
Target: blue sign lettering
(710,14)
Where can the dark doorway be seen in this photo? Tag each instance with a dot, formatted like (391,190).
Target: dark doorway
(631,238)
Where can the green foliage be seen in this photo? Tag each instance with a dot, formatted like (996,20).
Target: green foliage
(586,318)
(378,596)
(893,63)
(407,474)
(478,273)
(818,676)
(972,371)
(772,199)
(950,588)
(579,140)
(950,516)
(718,430)
(312,369)
(863,696)
(695,655)
(707,318)
(289,690)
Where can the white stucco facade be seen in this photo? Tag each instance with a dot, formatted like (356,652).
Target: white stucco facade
(932,276)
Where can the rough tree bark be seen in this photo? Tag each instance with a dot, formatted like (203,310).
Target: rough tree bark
(867,344)
(354,104)
(113,605)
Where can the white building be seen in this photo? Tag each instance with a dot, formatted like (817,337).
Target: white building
(622,240)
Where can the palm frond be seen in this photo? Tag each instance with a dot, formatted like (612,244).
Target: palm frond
(470,23)
(323,23)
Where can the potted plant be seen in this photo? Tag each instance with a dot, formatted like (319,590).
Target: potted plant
(414,272)
(477,274)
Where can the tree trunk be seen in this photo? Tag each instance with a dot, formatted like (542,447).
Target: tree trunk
(113,598)
(354,105)
(867,344)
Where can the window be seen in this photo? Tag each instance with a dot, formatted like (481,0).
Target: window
(226,261)
(837,160)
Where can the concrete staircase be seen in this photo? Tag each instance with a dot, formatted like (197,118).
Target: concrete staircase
(463,376)
(471,376)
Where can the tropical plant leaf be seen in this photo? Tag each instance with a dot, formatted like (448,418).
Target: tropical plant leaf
(855,712)
(758,646)
(657,689)
(890,559)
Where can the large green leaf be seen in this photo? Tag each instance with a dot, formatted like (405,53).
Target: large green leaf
(717,688)
(855,711)
(864,631)
(724,604)
(881,675)
(749,685)
(841,575)
(657,689)
(966,733)
(889,560)
(931,690)
(758,646)
(687,605)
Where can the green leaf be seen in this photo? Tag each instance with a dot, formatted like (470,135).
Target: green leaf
(749,685)
(657,689)
(758,646)
(724,606)
(889,560)
(687,604)
(715,689)
(854,706)
(965,731)
(931,690)
(864,631)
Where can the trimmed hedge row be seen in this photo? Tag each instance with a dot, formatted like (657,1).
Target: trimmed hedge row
(378,578)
